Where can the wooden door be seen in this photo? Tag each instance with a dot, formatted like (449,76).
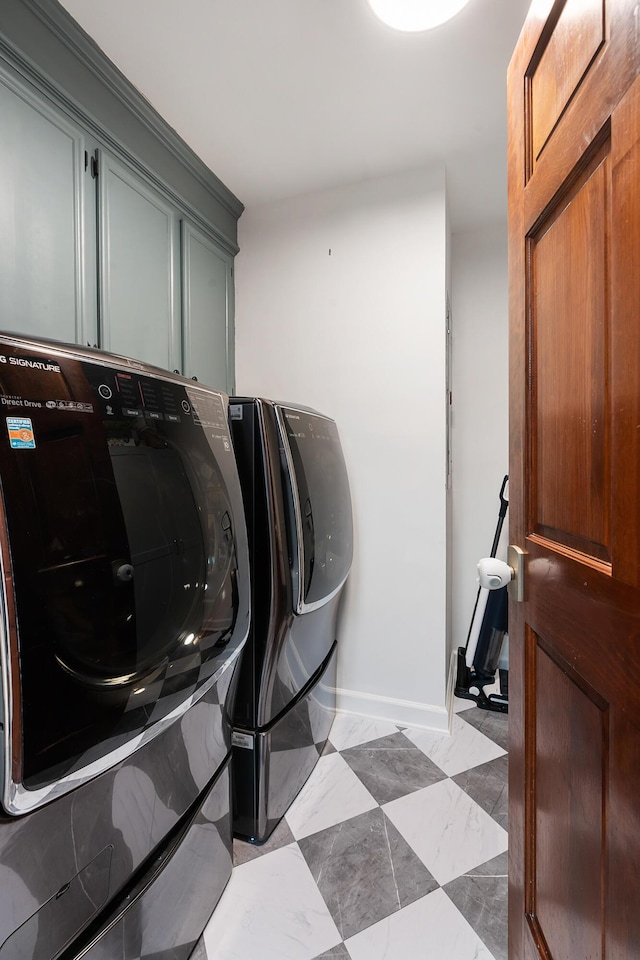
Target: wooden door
(574,249)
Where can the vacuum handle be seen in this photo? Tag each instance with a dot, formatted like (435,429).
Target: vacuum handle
(502,512)
(504,503)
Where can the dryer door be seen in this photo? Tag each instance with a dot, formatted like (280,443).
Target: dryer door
(319,488)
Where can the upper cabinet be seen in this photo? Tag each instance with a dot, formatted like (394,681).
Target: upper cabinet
(47,220)
(207,308)
(112,232)
(139,275)
(166,286)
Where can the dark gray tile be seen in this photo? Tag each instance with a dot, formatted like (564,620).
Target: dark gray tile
(327,749)
(495,726)
(488,786)
(497,867)
(482,900)
(281,837)
(199,951)
(338,953)
(365,871)
(392,767)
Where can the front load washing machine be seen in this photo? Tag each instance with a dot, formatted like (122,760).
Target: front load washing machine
(124,605)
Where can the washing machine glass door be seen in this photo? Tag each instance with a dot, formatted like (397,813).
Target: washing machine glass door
(319,488)
(121,537)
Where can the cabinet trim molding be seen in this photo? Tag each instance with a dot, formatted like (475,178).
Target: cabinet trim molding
(60,24)
(83,47)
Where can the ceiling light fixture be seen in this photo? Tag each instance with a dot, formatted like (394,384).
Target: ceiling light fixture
(411,16)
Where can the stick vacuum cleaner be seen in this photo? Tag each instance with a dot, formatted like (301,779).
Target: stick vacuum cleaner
(478,660)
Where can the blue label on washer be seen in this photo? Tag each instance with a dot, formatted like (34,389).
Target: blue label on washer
(21,436)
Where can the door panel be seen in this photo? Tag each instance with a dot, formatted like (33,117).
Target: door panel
(47,221)
(574,242)
(139,295)
(206,309)
(573,44)
(567,787)
(570,351)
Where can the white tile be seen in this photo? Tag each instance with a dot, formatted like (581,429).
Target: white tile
(332,793)
(447,829)
(349,731)
(465,748)
(271,910)
(429,929)
(460,704)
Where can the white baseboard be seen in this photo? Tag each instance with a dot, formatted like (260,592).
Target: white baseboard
(406,713)
(451,684)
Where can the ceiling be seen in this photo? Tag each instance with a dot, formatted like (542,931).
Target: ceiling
(285,97)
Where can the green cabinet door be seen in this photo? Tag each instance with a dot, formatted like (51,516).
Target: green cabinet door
(47,219)
(139,272)
(207,309)
(98,254)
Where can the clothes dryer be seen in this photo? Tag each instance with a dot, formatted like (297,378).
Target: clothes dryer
(124,604)
(298,509)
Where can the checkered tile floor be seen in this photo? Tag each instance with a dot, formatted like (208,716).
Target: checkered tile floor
(395,849)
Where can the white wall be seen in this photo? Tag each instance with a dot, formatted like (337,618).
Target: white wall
(480,440)
(340,304)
